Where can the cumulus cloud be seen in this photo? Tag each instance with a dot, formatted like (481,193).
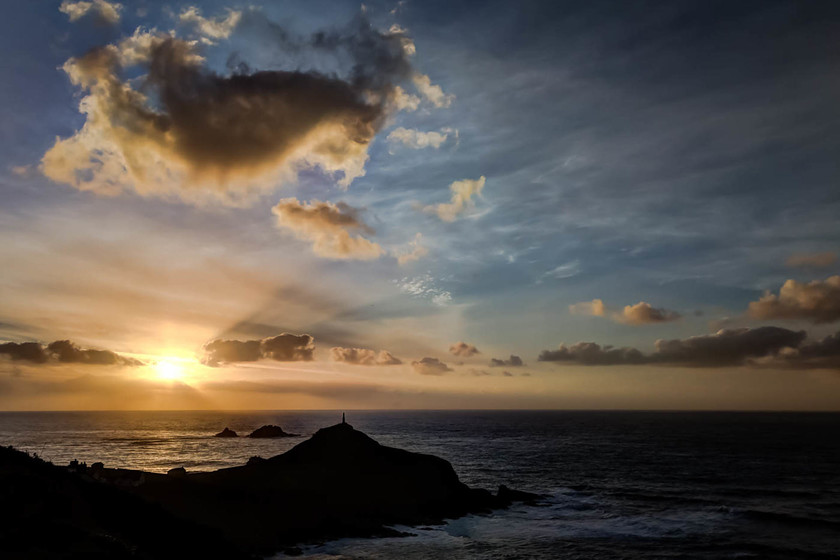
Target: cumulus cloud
(463,349)
(513,361)
(817,301)
(430,366)
(328,227)
(462,193)
(595,308)
(418,140)
(724,348)
(181,129)
(211,29)
(414,252)
(644,313)
(812,260)
(101,10)
(284,347)
(63,351)
(431,92)
(363,356)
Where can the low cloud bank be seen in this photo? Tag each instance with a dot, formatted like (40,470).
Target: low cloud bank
(725,348)
(284,347)
(62,351)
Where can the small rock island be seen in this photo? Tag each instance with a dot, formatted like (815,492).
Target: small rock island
(338,483)
(227,432)
(270,431)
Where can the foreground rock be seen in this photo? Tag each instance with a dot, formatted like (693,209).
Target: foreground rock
(338,483)
(227,432)
(50,512)
(270,431)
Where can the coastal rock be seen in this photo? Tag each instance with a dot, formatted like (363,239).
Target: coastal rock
(227,432)
(338,483)
(49,511)
(508,496)
(270,431)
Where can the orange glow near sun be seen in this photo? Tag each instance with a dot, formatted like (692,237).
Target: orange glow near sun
(169,369)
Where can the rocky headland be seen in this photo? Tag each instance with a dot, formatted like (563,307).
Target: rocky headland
(338,483)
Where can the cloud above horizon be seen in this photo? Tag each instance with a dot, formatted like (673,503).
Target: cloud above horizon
(644,313)
(328,227)
(430,366)
(463,349)
(63,351)
(641,313)
(363,356)
(817,302)
(727,347)
(284,347)
(513,361)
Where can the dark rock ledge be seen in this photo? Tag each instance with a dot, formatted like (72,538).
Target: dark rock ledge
(338,483)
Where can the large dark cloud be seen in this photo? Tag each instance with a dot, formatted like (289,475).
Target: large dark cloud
(284,347)
(63,351)
(723,348)
(181,127)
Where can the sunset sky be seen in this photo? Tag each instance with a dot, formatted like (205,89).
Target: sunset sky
(420,204)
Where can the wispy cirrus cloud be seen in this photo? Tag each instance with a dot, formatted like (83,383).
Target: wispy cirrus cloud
(812,260)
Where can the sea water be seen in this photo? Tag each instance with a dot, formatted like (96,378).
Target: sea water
(635,485)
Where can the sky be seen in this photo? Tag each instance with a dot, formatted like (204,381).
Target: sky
(404,204)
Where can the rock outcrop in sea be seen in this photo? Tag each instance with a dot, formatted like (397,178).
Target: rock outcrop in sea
(227,432)
(270,431)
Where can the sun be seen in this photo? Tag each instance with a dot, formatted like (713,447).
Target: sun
(167,369)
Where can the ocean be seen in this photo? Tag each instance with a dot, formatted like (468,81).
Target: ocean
(631,485)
